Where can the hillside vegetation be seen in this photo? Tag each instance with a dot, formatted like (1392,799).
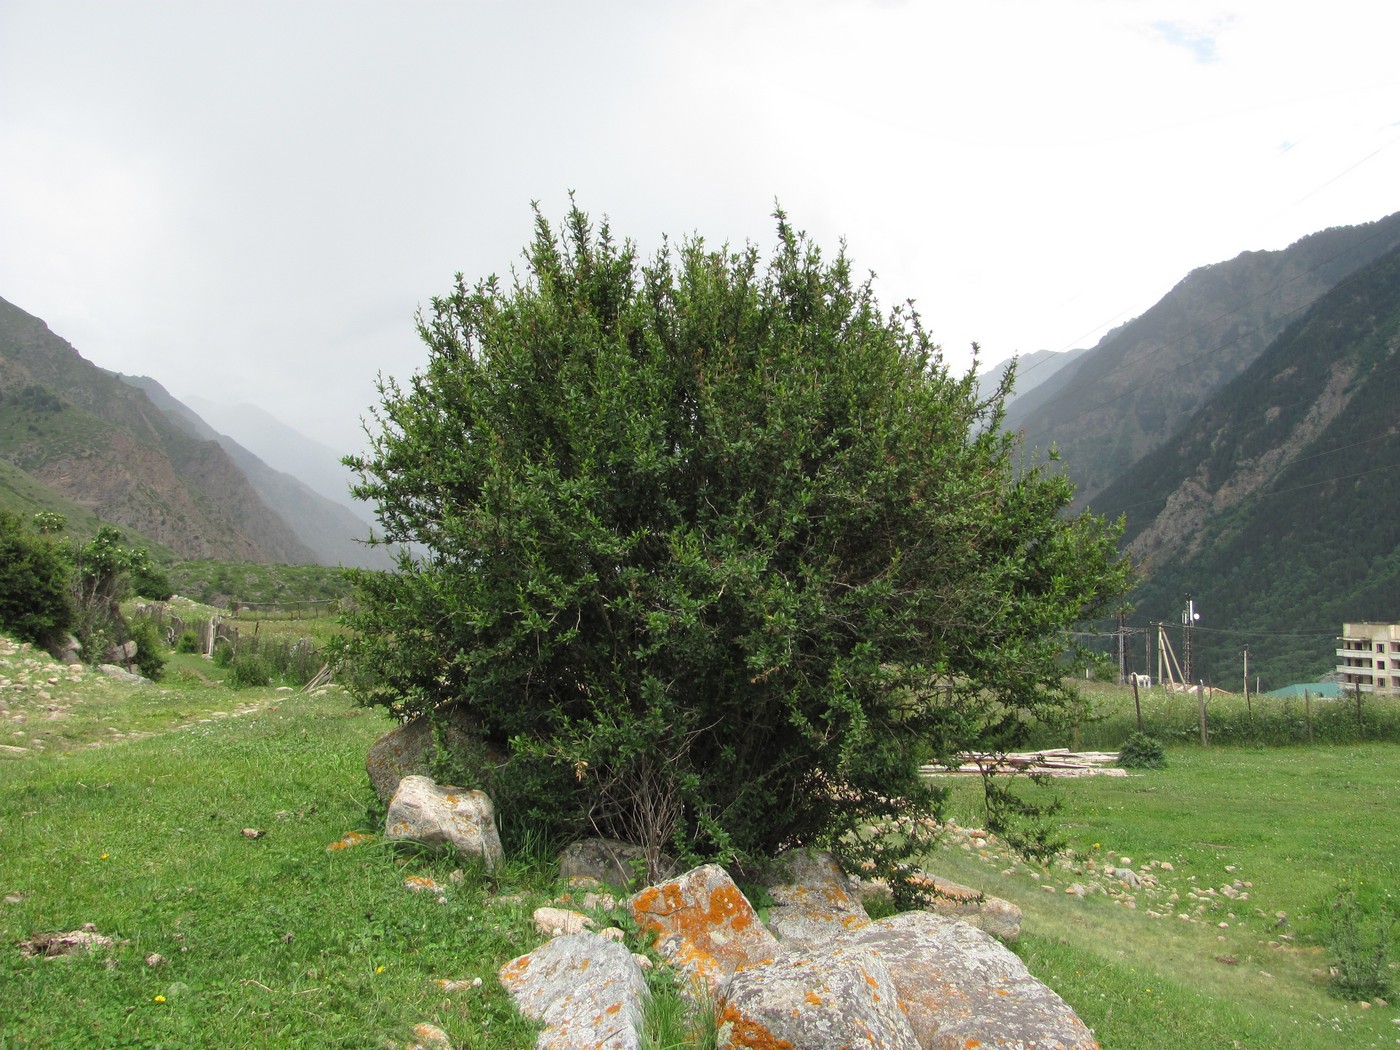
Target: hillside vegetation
(1278,505)
(98,442)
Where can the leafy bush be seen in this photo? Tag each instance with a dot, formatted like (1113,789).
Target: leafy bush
(188,642)
(1141,751)
(1360,941)
(150,648)
(34,572)
(247,670)
(718,548)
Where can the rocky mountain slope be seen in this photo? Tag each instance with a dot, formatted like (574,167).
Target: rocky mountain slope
(330,529)
(1136,388)
(96,441)
(1277,504)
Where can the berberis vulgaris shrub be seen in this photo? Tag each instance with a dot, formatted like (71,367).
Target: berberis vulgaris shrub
(714,551)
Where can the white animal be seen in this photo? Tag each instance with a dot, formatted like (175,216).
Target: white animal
(1142,680)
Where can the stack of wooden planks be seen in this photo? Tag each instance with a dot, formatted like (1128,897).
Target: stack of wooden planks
(1056,762)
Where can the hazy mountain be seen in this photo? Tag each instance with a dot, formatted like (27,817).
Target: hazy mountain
(1031,371)
(333,533)
(1113,405)
(1277,504)
(82,433)
(284,448)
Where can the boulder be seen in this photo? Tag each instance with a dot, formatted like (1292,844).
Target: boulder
(704,926)
(992,914)
(961,987)
(609,861)
(588,991)
(839,997)
(811,901)
(120,673)
(407,750)
(440,815)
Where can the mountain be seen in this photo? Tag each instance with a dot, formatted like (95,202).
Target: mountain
(330,529)
(81,432)
(1276,506)
(1031,371)
(284,448)
(1136,388)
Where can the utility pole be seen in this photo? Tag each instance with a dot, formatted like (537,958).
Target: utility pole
(1188,617)
(1122,649)
(1249,708)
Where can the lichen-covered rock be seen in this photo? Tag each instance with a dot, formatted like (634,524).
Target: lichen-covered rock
(703,925)
(836,998)
(960,987)
(811,902)
(439,815)
(588,992)
(406,750)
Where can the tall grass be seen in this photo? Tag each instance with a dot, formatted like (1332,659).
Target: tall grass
(1231,719)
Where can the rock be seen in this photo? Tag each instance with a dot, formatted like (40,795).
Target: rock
(991,914)
(52,945)
(611,862)
(554,922)
(71,651)
(840,997)
(121,674)
(407,749)
(812,904)
(603,1010)
(436,816)
(429,1037)
(703,925)
(960,987)
(1127,876)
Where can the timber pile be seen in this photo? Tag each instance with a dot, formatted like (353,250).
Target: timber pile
(1056,762)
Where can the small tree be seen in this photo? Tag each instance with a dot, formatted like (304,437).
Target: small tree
(34,573)
(720,551)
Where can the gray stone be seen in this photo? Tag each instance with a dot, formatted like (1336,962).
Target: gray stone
(120,673)
(610,861)
(840,997)
(407,750)
(439,815)
(812,904)
(588,992)
(961,987)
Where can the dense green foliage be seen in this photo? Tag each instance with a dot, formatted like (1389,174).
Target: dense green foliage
(1291,522)
(724,548)
(34,573)
(1141,751)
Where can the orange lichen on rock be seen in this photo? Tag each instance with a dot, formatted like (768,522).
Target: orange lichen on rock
(746,1032)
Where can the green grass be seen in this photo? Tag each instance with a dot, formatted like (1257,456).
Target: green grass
(1289,824)
(129,816)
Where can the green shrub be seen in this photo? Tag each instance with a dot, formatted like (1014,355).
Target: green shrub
(150,648)
(1141,751)
(704,539)
(188,642)
(223,654)
(1359,939)
(34,572)
(246,670)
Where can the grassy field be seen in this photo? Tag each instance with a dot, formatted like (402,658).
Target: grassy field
(123,806)
(1238,849)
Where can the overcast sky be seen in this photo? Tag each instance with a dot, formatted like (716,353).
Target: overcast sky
(249,200)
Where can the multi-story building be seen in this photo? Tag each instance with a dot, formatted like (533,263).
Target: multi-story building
(1368,657)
